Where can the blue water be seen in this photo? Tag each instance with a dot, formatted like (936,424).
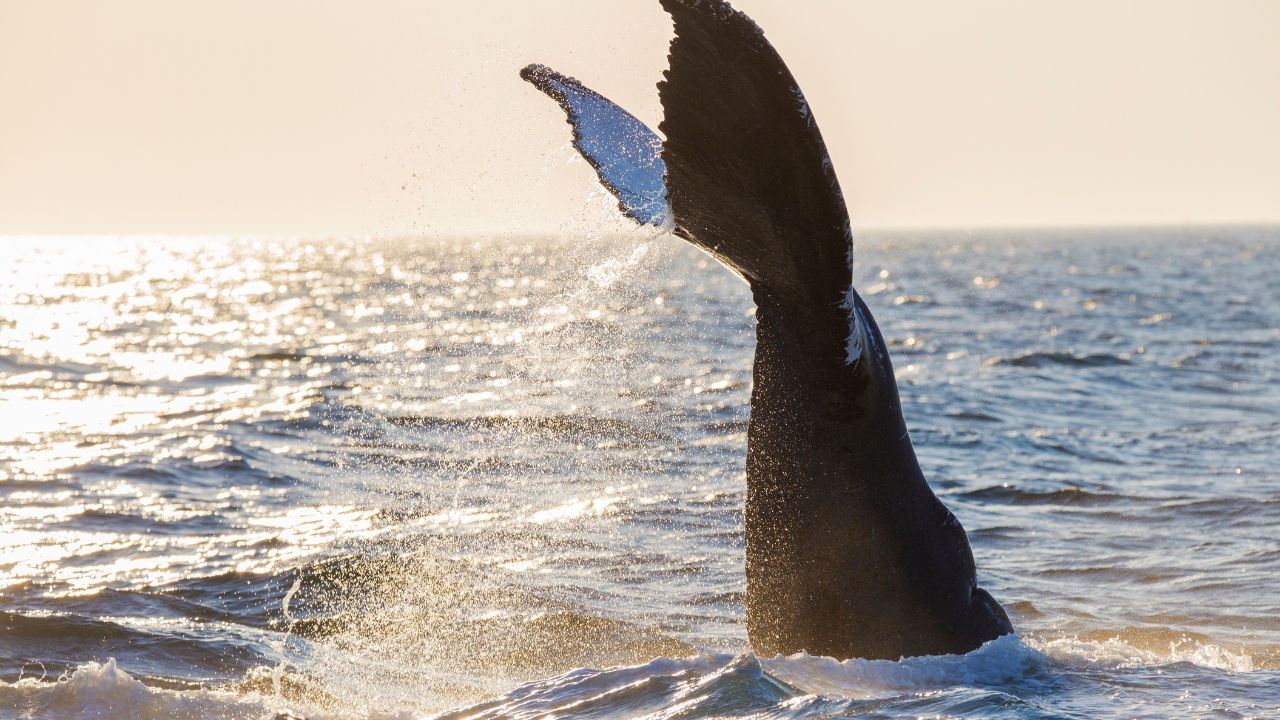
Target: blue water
(500,477)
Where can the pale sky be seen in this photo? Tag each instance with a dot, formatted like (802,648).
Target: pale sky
(305,117)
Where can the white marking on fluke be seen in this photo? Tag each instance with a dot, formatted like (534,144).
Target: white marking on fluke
(857,328)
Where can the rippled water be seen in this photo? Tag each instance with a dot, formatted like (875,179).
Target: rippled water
(374,478)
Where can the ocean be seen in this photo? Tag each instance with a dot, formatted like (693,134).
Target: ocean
(502,477)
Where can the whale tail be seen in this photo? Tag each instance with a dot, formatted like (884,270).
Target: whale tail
(849,552)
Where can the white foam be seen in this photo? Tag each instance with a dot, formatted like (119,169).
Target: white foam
(1116,653)
(1006,660)
(998,662)
(105,691)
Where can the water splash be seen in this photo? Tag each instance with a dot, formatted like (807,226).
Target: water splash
(278,673)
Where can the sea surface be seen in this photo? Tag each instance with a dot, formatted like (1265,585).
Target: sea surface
(502,477)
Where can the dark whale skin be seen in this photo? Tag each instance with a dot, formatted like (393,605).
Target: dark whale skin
(849,553)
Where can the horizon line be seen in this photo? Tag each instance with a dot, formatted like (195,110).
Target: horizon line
(530,235)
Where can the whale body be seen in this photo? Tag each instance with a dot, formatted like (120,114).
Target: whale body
(848,551)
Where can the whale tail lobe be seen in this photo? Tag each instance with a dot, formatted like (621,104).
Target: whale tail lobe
(748,173)
(626,154)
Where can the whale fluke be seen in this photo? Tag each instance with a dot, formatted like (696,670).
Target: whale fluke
(748,174)
(625,153)
(849,553)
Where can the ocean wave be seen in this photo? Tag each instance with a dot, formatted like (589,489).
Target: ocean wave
(1137,647)
(103,690)
(1040,359)
(1002,662)
(170,652)
(698,686)
(1005,673)
(1065,496)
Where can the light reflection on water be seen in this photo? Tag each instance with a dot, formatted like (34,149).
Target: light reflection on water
(490,460)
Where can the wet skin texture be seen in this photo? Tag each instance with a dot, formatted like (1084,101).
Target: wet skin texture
(849,553)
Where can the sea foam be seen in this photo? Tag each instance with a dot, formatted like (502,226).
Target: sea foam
(103,690)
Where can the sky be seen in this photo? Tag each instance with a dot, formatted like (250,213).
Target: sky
(398,117)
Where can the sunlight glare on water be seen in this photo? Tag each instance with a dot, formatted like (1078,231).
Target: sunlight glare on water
(479,464)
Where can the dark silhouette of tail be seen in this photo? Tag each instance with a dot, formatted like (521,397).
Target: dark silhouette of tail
(748,174)
(849,553)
